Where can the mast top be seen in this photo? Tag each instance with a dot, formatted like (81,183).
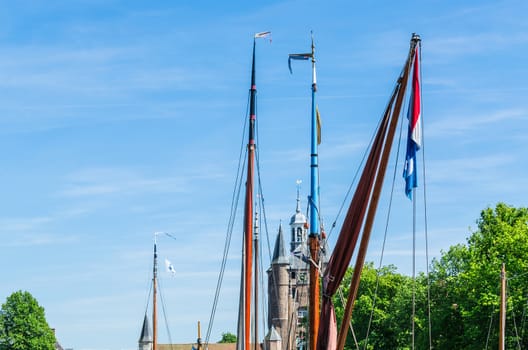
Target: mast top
(313,47)
(415,40)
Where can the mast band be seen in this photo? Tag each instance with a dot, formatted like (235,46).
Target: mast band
(253,117)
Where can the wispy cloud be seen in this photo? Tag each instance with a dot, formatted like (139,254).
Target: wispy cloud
(106,181)
(29,239)
(464,170)
(448,47)
(464,122)
(34,231)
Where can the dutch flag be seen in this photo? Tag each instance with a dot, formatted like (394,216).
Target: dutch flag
(414,138)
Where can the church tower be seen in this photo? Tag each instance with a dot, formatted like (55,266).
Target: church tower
(145,339)
(288,285)
(298,226)
(278,292)
(299,276)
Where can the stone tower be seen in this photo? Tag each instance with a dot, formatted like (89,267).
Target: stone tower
(278,291)
(288,285)
(299,277)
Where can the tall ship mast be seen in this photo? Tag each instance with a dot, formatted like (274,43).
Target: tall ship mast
(148,339)
(358,223)
(314,236)
(249,279)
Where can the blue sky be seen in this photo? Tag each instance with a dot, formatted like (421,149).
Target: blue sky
(122,118)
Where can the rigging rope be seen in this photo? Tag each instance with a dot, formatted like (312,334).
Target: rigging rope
(264,221)
(165,314)
(389,210)
(414,242)
(489,329)
(148,296)
(343,301)
(229,232)
(426,230)
(264,216)
(523,319)
(514,322)
(351,186)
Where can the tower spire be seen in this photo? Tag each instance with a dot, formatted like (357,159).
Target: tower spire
(298,209)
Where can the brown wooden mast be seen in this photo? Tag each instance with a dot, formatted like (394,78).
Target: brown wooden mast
(256,294)
(199,339)
(502,317)
(314,293)
(248,209)
(154,301)
(354,285)
(245,308)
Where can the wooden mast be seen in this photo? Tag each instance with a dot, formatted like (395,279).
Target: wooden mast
(199,339)
(502,317)
(245,311)
(256,294)
(154,301)
(354,285)
(248,209)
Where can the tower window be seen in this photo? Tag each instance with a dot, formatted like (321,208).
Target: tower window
(302,313)
(293,275)
(299,234)
(302,276)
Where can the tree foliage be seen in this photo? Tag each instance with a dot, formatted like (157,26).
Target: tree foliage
(23,324)
(464,285)
(228,337)
(382,313)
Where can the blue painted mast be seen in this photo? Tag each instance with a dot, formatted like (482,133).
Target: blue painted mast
(314,236)
(314,173)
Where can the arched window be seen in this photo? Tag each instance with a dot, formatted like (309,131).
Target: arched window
(299,234)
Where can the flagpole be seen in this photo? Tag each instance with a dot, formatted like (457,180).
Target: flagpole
(413,267)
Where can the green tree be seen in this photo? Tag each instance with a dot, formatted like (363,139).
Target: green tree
(465,283)
(390,306)
(464,287)
(228,337)
(23,324)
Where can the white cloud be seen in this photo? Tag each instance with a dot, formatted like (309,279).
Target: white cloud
(465,122)
(105,181)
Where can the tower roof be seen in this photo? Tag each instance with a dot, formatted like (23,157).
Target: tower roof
(298,217)
(273,335)
(279,252)
(146,336)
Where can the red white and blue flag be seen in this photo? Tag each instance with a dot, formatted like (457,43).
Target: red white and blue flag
(414,138)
